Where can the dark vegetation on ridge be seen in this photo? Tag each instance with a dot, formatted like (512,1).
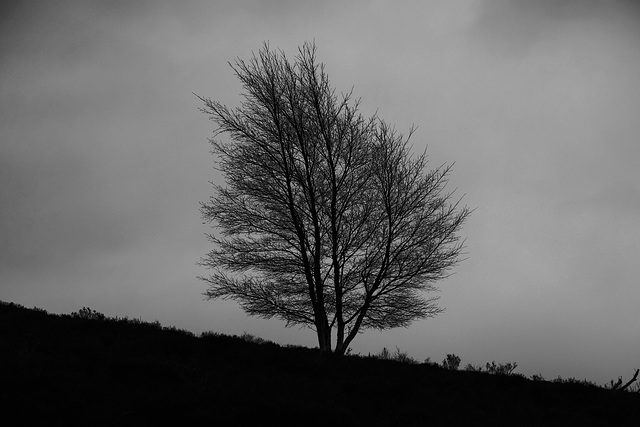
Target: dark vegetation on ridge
(88,369)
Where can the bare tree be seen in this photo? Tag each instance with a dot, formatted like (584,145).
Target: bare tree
(326,219)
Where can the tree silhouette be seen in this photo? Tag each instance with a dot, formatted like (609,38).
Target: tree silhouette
(326,219)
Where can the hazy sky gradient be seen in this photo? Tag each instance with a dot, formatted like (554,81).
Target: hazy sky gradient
(103,160)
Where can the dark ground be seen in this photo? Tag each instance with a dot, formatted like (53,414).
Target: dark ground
(80,370)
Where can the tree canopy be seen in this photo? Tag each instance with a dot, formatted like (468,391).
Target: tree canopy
(326,218)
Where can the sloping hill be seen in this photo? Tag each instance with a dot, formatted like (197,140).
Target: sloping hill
(79,370)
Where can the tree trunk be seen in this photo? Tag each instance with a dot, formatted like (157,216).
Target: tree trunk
(324,334)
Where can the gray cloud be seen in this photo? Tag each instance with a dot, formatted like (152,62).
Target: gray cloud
(84,152)
(514,27)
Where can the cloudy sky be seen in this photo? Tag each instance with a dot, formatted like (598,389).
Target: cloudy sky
(104,159)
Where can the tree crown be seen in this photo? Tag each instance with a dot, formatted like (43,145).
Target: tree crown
(326,219)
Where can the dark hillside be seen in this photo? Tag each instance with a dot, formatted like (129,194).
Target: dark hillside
(79,370)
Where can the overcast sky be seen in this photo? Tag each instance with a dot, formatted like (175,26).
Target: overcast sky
(104,159)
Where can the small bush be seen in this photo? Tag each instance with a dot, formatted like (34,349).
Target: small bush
(501,368)
(87,313)
(430,362)
(403,357)
(172,329)
(452,362)
(398,356)
(574,380)
(383,355)
(207,334)
(611,384)
(252,338)
(537,377)
(473,368)
(295,346)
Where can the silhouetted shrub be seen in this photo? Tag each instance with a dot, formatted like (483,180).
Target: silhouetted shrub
(473,368)
(87,313)
(398,356)
(403,357)
(212,334)
(252,338)
(502,368)
(452,362)
(173,329)
(430,362)
(537,377)
(383,355)
(294,346)
(613,385)
(573,380)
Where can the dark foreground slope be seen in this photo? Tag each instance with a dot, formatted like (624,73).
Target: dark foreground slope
(78,371)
